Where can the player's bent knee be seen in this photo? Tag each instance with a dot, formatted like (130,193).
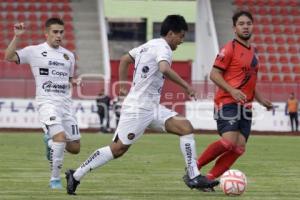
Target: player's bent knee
(118,149)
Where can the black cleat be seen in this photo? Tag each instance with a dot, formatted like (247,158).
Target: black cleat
(200,182)
(71,182)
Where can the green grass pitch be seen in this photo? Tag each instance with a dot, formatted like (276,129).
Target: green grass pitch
(151,169)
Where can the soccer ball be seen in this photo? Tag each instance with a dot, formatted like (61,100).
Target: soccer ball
(233,182)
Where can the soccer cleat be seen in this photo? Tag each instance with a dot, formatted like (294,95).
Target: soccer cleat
(55,184)
(71,182)
(46,138)
(200,182)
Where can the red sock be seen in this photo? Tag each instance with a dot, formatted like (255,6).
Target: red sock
(225,162)
(214,150)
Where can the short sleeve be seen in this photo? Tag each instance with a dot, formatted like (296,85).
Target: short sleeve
(164,53)
(24,55)
(224,57)
(133,52)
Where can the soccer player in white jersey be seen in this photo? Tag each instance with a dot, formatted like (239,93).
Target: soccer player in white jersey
(53,69)
(141,108)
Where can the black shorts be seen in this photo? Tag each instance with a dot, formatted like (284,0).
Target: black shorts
(234,117)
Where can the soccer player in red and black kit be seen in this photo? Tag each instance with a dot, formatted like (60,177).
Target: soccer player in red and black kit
(235,73)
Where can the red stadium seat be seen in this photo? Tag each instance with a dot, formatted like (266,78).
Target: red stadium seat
(291,40)
(67,17)
(298,40)
(264,78)
(32,17)
(279,40)
(281,49)
(287,79)
(284,11)
(293,3)
(275,21)
(271,49)
(260,2)
(269,40)
(295,60)
(277,30)
(276,78)
(283,59)
(272,59)
(263,69)
(293,49)
(32,8)
(66,7)
(281,3)
(257,39)
(262,11)
(296,21)
(44,16)
(266,30)
(295,12)
(21,17)
(260,48)
(262,59)
(10,17)
(297,31)
(288,30)
(285,69)
(43,8)
(264,20)
(55,8)
(274,69)
(296,69)
(286,21)
(297,79)
(20,7)
(256,30)
(273,11)
(238,2)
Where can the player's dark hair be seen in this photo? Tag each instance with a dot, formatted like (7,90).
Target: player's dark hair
(175,23)
(54,20)
(236,16)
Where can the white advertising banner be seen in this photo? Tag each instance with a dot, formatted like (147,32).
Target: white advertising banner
(22,113)
(201,115)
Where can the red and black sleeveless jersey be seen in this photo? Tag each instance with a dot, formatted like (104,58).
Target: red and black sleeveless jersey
(240,66)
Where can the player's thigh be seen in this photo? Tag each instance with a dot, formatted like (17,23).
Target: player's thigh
(132,126)
(245,127)
(228,118)
(160,116)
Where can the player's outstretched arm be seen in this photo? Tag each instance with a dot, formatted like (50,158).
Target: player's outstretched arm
(125,61)
(165,68)
(10,52)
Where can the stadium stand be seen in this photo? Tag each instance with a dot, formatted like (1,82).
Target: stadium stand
(276,36)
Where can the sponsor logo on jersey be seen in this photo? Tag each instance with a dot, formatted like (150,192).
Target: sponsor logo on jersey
(66,57)
(145,70)
(49,86)
(131,136)
(55,63)
(52,118)
(58,73)
(44,53)
(44,71)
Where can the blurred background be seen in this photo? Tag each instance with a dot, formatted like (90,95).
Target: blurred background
(99,32)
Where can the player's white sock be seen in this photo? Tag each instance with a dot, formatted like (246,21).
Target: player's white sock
(97,159)
(50,143)
(57,159)
(188,149)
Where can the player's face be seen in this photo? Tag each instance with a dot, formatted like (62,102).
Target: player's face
(54,35)
(176,39)
(243,28)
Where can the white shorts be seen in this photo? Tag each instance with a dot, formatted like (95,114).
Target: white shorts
(56,119)
(134,121)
